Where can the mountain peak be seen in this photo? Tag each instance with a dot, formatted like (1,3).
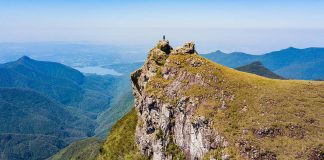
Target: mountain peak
(163,50)
(24,58)
(219,52)
(257,63)
(187,48)
(187,107)
(291,48)
(164,46)
(258,69)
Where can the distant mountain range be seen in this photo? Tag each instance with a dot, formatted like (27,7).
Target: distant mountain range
(89,95)
(258,69)
(72,54)
(44,106)
(290,63)
(53,79)
(33,127)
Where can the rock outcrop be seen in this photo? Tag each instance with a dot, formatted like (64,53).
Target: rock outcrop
(162,124)
(191,108)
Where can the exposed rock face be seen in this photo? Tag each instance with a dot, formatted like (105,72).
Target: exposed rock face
(162,124)
(188,48)
(191,108)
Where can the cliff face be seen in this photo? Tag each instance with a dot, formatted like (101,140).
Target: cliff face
(187,107)
(191,108)
(169,128)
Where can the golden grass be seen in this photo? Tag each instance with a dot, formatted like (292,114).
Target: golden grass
(238,103)
(257,103)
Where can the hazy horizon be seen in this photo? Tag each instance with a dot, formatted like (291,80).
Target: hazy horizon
(251,26)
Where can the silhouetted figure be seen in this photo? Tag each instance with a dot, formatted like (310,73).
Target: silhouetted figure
(164,37)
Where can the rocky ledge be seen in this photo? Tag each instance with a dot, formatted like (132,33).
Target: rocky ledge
(191,108)
(169,130)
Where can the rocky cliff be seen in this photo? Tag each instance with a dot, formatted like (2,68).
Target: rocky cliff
(166,114)
(190,108)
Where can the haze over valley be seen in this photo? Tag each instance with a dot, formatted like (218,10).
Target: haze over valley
(161,80)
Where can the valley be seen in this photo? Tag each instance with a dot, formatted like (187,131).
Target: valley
(45,106)
(96,98)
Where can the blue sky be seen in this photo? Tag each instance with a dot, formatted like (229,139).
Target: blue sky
(239,25)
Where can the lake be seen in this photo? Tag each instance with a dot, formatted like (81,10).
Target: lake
(98,70)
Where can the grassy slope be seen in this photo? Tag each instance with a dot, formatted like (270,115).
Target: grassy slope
(293,107)
(122,101)
(118,109)
(120,104)
(86,149)
(120,143)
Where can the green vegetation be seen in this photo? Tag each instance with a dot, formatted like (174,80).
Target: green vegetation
(243,105)
(34,127)
(86,149)
(159,56)
(88,95)
(44,99)
(159,134)
(51,79)
(16,146)
(120,143)
(216,154)
(174,150)
(118,109)
(257,116)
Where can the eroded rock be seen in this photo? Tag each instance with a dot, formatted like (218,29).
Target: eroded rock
(162,123)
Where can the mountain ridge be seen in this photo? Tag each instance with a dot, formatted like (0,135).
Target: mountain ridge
(53,88)
(43,77)
(30,120)
(188,107)
(60,83)
(283,62)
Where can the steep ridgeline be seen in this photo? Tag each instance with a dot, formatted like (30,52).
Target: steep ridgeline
(188,107)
